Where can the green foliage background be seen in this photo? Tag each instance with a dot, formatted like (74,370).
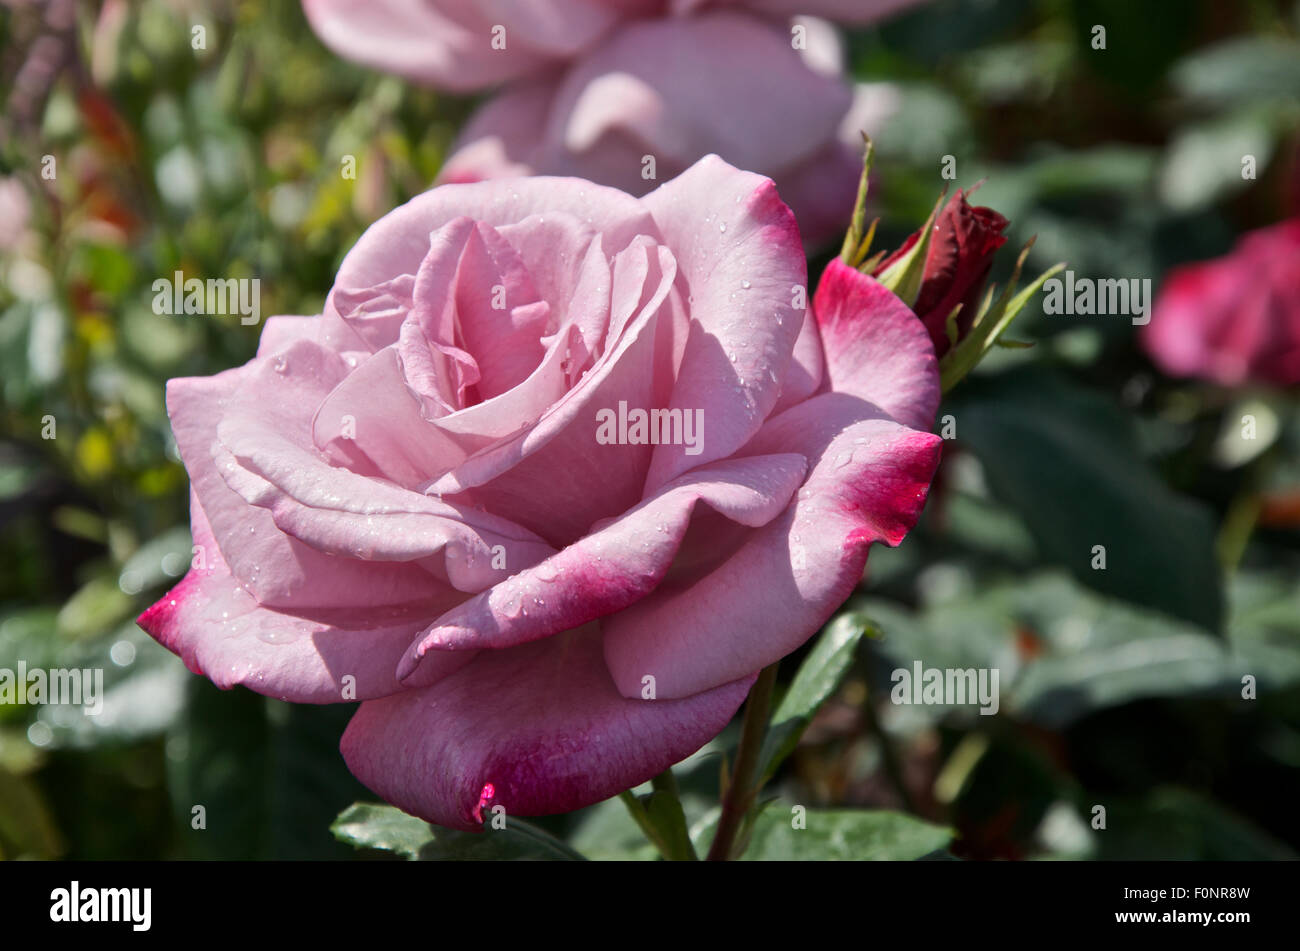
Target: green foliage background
(1120,688)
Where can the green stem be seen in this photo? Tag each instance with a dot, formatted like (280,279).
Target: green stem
(746,779)
(1243,516)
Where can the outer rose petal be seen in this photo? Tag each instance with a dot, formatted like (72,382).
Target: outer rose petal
(398,242)
(538,729)
(277,569)
(869,484)
(876,348)
(217,628)
(267,456)
(279,333)
(741,259)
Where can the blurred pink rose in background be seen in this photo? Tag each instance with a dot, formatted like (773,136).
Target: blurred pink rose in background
(15,213)
(631,102)
(1235,319)
(471,45)
(407,500)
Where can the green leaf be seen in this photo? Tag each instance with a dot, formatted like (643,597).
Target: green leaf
(267,774)
(518,841)
(662,819)
(818,677)
(990,323)
(1203,162)
(608,833)
(1068,462)
(368,825)
(1064,652)
(1243,70)
(1175,824)
(839,835)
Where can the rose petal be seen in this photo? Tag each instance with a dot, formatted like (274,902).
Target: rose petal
(876,348)
(220,631)
(266,456)
(741,270)
(611,568)
(536,729)
(277,569)
(868,484)
(399,242)
(555,478)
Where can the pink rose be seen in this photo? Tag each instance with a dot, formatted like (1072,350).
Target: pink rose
(468,45)
(603,88)
(435,497)
(1235,319)
(658,94)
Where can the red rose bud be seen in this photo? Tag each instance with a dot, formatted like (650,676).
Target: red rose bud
(957,263)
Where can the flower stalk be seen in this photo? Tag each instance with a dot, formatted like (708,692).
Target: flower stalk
(746,779)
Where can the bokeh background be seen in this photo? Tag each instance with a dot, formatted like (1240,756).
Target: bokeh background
(1120,688)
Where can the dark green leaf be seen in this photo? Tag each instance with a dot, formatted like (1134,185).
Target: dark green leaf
(841,835)
(368,825)
(817,678)
(518,841)
(1068,462)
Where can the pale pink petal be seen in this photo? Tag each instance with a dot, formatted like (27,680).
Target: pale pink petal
(330,656)
(373,423)
(683,88)
(742,267)
(276,568)
(265,454)
(673,91)
(555,478)
(399,242)
(278,333)
(502,137)
(842,11)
